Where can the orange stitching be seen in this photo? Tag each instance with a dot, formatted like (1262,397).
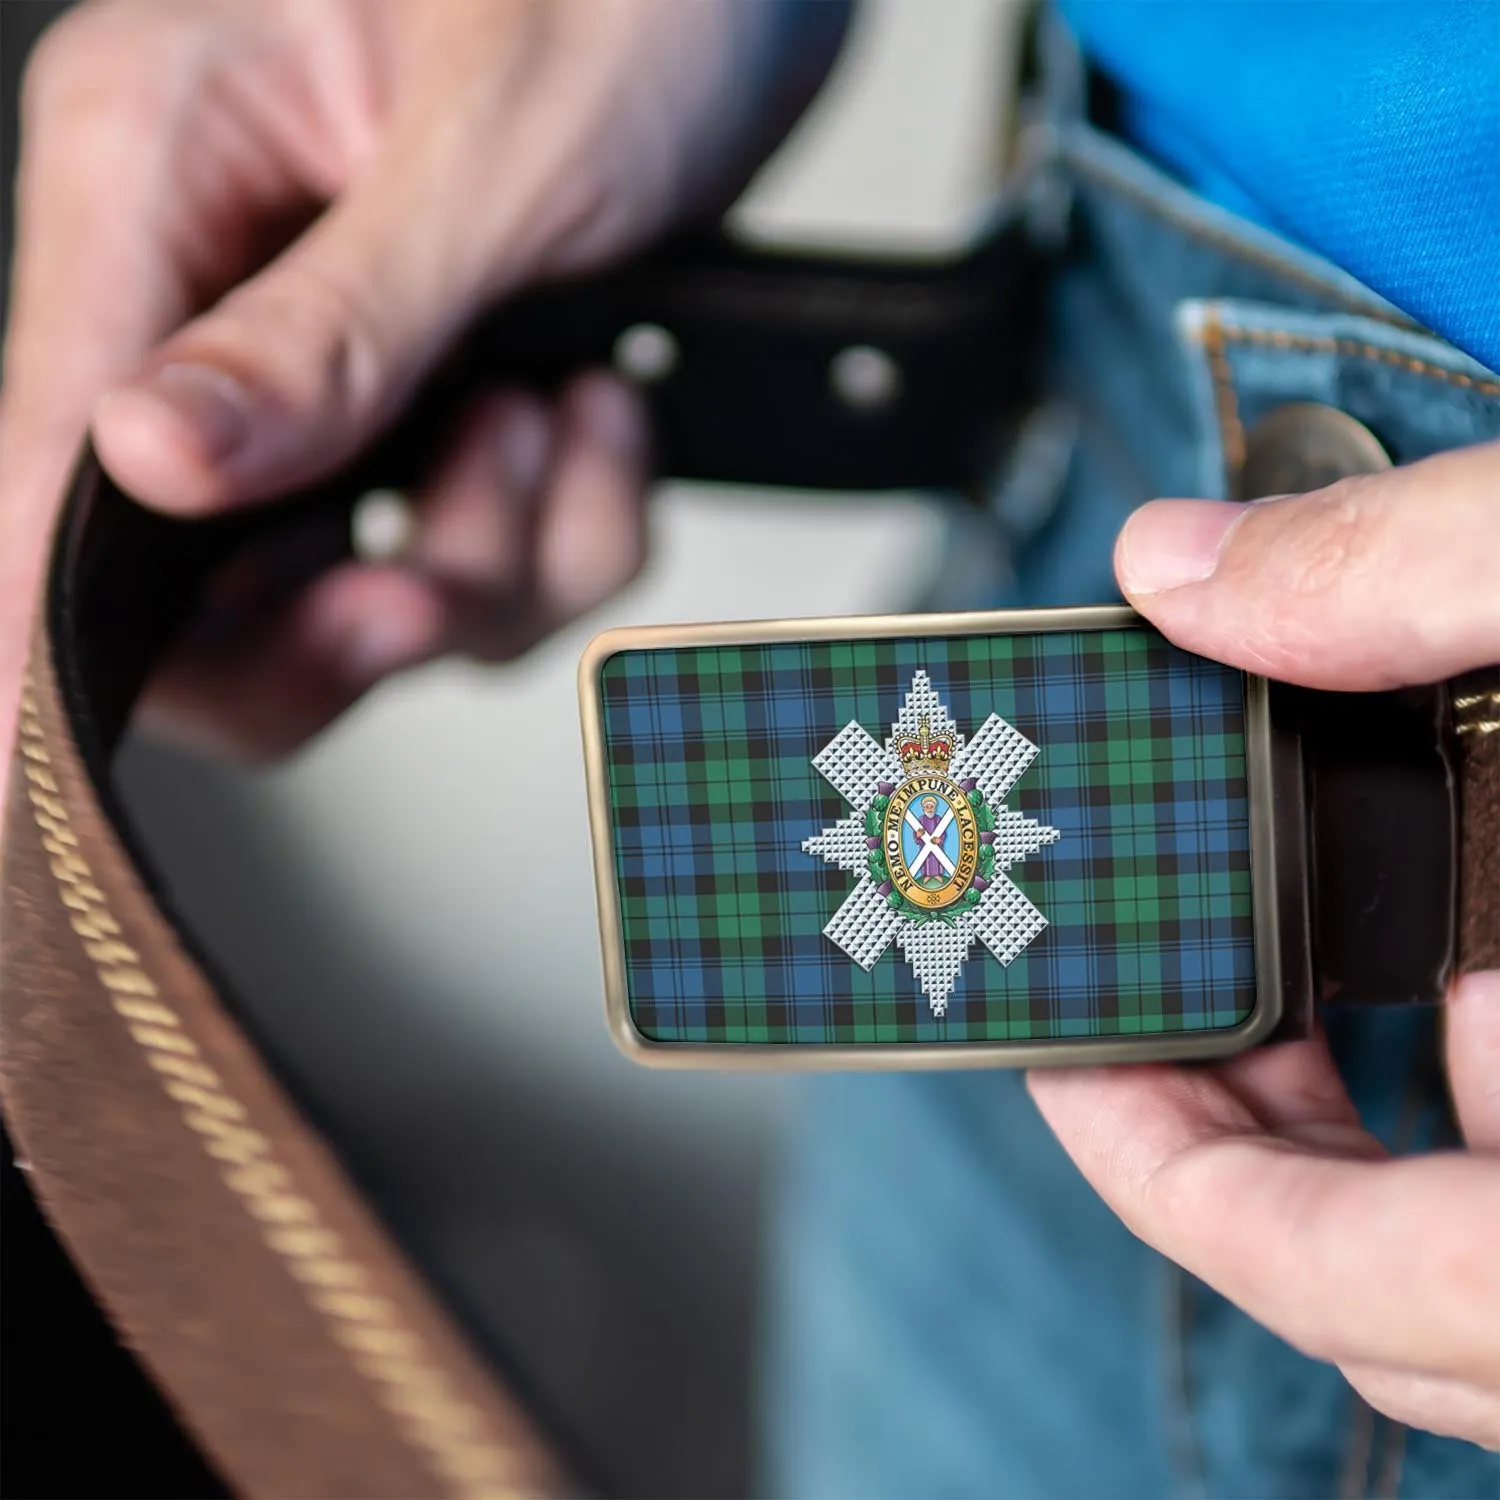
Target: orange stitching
(1213,336)
(1226,401)
(1472,723)
(1353,349)
(1223,240)
(1473,700)
(368,1327)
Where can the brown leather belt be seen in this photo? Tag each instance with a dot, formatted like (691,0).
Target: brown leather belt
(1476,713)
(228,1244)
(216,1225)
(232,1250)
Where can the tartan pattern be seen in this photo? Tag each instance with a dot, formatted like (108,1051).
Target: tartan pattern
(712,791)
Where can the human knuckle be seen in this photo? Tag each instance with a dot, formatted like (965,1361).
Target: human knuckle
(104,59)
(1461,1271)
(1333,538)
(1173,1194)
(64,54)
(352,357)
(329,341)
(1280,646)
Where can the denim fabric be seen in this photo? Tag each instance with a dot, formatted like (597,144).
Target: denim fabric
(952,1311)
(1368,133)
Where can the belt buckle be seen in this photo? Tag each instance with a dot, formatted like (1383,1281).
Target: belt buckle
(1009,838)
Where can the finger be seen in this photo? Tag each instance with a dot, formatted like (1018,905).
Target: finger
(200,183)
(472,579)
(127,220)
(88,136)
(1381,1262)
(90,289)
(492,520)
(282,381)
(1473,1047)
(591,538)
(477,520)
(1375,582)
(535,517)
(1293,1090)
(265,693)
(297,367)
(1452,1408)
(586,537)
(1296,1091)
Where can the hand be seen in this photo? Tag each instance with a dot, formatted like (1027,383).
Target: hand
(1256,1175)
(246,230)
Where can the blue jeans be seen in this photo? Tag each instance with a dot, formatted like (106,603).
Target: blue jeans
(952,1312)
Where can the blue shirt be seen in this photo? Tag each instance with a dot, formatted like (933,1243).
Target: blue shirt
(1367,132)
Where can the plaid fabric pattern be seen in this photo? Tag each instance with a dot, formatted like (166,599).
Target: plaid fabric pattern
(1142,768)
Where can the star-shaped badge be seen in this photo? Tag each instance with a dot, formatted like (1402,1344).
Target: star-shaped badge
(930,841)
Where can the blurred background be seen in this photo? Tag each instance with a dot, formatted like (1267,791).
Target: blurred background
(600,1224)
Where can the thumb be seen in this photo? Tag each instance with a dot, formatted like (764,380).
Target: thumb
(293,371)
(1376,582)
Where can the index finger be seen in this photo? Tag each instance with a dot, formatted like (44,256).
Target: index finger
(1356,1260)
(92,283)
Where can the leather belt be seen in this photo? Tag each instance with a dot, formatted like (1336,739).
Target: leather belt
(230,1247)
(209,1215)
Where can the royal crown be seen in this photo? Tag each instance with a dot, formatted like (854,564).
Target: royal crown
(925,751)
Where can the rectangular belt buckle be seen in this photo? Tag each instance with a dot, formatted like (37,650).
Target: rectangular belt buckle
(998,839)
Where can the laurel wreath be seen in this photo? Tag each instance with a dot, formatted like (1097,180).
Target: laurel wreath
(984,818)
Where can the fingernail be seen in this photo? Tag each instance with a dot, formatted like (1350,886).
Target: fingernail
(1170,543)
(610,414)
(213,407)
(523,441)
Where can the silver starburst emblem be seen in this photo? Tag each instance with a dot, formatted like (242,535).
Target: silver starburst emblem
(930,841)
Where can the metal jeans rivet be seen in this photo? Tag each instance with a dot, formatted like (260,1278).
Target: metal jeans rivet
(646,353)
(1303,446)
(865,377)
(381,526)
